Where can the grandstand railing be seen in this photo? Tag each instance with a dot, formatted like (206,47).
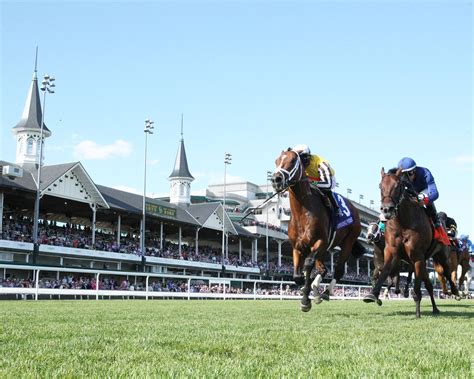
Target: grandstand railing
(345,292)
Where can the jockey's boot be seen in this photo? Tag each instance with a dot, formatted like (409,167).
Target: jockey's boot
(431,211)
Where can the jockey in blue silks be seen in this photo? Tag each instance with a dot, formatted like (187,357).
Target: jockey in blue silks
(465,243)
(423,183)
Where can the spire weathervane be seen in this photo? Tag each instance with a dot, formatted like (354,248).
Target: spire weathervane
(36,61)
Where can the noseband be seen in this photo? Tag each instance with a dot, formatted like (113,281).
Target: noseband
(289,176)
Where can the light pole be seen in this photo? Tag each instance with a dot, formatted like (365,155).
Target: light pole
(269,177)
(361,197)
(148,130)
(47,86)
(227,160)
(349,191)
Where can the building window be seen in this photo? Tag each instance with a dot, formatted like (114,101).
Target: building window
(29,146)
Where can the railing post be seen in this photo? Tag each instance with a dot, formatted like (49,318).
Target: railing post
(37,283)
(281,291)
(255,290)
(97,287)
(189,289)
(146,286)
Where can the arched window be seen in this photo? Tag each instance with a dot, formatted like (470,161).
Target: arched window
(29,145)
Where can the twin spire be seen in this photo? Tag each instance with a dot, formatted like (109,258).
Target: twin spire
(28,129)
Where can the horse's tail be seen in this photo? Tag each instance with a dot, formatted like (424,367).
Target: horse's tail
(358,250)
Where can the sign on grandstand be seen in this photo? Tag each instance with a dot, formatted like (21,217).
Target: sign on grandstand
(159,210)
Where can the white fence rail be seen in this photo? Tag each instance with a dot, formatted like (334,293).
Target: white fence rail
(345,292)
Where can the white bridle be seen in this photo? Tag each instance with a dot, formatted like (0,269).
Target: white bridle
(289,175)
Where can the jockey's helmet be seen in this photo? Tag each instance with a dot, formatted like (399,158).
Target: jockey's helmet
(463,237)
(302,149)
(407,164)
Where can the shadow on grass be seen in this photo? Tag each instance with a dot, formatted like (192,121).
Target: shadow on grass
(429,313)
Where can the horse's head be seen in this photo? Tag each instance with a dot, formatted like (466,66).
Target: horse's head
(391,191)
(289,170)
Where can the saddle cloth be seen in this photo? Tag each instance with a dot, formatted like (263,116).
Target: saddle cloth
(346,218)
(440,235)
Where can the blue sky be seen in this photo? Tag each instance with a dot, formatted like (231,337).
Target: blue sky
(363,83)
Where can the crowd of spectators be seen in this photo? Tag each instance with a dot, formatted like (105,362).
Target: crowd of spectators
(75,236)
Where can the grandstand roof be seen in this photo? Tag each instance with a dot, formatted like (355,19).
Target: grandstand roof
(26,182)
(133,203)
(210,216)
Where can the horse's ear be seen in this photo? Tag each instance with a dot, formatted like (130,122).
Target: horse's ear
(289,149)
(399,172)
(382,172)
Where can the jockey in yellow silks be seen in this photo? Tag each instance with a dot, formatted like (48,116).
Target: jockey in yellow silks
(319,172)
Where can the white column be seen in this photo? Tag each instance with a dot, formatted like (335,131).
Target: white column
(240,249)
(368,268)
(1,213)
(119,227)
(279,252)
(179,240)
(61,261)
(94,209)
(161,236)
(227,246)
(357,266)
(256,251)
(345,268)
(197,241)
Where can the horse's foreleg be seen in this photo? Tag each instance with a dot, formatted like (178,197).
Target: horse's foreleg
(429,288)
(440,260)
(441,278)
(396,280)
(420,273)
(297,263)
(308,267)
(391,259)
(406,291)
(321,269)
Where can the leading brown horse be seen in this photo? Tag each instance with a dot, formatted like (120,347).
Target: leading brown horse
(310,228)
(408,236)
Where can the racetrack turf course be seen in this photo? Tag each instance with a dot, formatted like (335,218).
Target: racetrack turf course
(215,338)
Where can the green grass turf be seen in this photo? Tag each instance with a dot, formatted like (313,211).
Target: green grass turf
(137,338)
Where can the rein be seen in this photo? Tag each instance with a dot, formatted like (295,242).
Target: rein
(261,205)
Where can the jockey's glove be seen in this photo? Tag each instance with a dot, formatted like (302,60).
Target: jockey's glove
(423,199)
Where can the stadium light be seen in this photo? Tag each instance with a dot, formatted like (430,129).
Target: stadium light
(47,86)
(227,161)
(349,191)
(148,130)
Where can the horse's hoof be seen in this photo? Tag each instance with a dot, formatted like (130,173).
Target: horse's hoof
(379,302)
(370,298)
(436,312)
(305,307)
(406,295)
(325,296)
(317,300)
(458,298)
